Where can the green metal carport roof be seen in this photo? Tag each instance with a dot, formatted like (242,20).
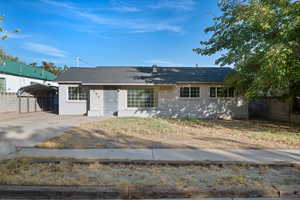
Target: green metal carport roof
(18,69)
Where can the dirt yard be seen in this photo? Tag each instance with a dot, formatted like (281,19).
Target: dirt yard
(23,171)
(179,133)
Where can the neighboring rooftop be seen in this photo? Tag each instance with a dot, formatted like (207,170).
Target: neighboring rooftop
(18,69)
(140,75)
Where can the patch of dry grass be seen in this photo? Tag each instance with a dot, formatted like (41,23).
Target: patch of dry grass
(262,130)
(179,133)
(23,171)
(233,180)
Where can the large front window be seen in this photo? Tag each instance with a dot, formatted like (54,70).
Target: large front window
(141,98)
(76,93)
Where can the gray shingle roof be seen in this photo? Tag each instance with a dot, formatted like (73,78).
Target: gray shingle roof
(139,75)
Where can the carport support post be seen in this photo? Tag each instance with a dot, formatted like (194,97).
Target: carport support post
(34,104)
(28,104)
(42,103)
(19,104)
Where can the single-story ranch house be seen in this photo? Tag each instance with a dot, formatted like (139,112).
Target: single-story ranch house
(195,92)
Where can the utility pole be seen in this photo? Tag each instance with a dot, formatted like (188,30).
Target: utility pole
(77,61)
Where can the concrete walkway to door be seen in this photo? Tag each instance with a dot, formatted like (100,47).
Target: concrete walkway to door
(19,130)
(257,156)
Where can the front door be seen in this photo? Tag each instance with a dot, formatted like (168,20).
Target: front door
(110,98)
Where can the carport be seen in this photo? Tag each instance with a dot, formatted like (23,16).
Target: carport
(37,98)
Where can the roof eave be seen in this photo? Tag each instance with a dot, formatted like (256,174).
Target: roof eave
(128,84)
(70,82)
(178,82)
(26,76)
(206,82)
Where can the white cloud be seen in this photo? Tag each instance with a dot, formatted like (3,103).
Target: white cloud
(18,35)
(45,49)
(185,5)
(125,9)
(162,63)
(123,6)
(135,25)
(58,4)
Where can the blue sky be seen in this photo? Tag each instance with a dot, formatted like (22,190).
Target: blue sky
(109,32)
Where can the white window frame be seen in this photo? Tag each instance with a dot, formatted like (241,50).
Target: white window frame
(190,92)
(216,92)
(155,96)
(75,100)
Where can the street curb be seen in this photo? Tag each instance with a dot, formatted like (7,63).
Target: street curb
(142,192)
(62,192)
(136,192)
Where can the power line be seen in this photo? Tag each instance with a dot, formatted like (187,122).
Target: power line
(77,61)
(87,62)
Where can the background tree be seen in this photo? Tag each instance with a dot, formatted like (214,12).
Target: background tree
(48,66)
(3,32)
(34,64)
(51,67)
(261,39)
(6,56)
(4,35)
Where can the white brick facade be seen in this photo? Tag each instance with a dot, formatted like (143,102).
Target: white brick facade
(169,103)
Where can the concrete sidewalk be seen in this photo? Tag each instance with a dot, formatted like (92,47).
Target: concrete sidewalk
(259,156)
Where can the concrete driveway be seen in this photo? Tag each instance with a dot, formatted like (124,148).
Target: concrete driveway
(27,130)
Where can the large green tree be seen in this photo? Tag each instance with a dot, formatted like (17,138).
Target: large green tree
(261,39)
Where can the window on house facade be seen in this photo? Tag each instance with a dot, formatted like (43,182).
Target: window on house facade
(76,93)
(2,85)
(221,92)
(189,92)
(141,98)
(212,92)
(231,92)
